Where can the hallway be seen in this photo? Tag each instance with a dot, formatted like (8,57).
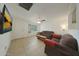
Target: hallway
(26,47)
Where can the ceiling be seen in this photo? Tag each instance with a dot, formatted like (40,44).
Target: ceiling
(42,10)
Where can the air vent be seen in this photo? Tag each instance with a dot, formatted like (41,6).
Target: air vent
(26,6)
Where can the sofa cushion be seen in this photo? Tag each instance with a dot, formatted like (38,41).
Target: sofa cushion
(69,41)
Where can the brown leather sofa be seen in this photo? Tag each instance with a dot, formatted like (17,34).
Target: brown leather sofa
(46,33)
(68,46)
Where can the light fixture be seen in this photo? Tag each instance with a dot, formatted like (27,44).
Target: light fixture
(38,22)
(63,27)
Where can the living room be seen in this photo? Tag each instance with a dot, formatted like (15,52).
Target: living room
(62,18)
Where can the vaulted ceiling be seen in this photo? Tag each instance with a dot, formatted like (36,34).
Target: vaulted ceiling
(42,10)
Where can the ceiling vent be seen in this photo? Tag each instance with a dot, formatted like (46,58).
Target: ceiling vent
(26,6)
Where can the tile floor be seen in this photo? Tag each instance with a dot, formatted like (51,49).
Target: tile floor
(30,46)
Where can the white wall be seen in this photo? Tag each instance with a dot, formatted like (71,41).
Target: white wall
(20,27)
(77,15)
(72,15)
(4,43)
(4,40)
(55,25)
(70,24)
